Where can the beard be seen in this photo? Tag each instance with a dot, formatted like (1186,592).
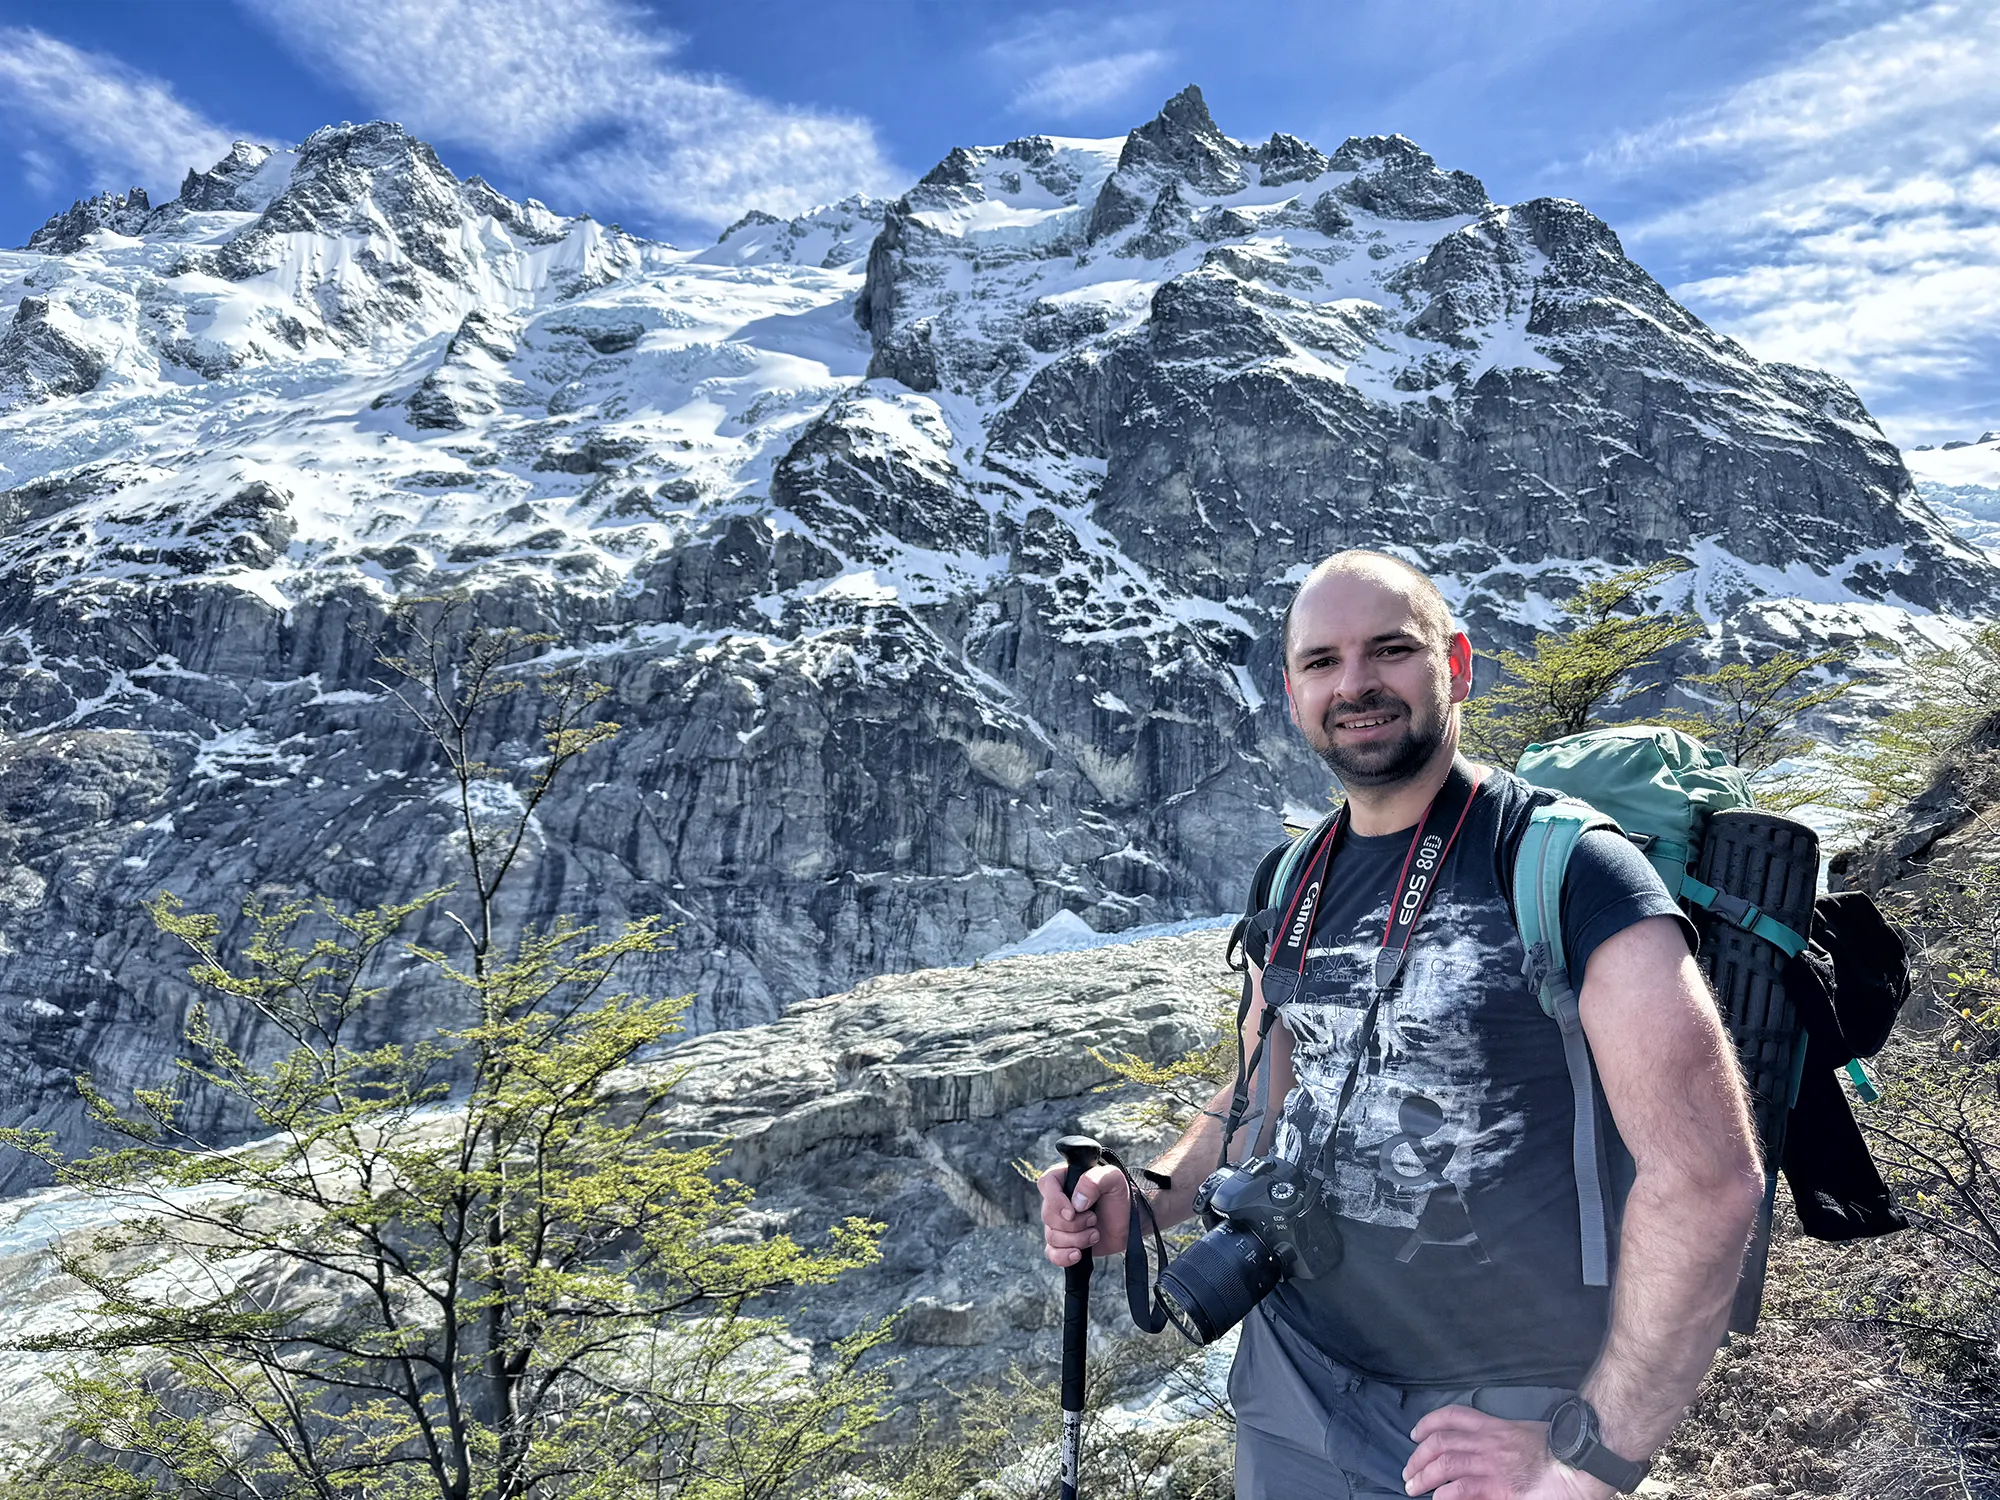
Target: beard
(1389,761)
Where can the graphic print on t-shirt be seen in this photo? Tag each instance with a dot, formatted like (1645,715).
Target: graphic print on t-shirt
(1453,1175)
(1424,1126)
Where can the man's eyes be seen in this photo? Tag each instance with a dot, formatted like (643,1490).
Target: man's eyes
(1395,649)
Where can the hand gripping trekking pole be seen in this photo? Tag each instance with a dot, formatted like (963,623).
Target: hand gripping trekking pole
(1081,1153)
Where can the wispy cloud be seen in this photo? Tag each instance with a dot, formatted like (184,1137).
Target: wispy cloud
(62,106)
(1850,205)
(1069,63)
(583,94)
(1073,88)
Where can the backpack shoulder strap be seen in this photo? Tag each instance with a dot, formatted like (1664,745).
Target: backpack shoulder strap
(1540,863)
(1274,873)
(1287,867)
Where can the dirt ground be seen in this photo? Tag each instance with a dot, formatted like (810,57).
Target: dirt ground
(1811,1406)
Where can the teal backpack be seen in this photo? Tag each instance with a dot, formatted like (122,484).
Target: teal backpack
(1659,788)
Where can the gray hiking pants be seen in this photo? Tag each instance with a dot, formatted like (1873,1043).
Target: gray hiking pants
(1309,1428)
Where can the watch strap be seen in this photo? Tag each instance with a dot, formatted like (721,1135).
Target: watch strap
(1588,1453)
(1599,1462)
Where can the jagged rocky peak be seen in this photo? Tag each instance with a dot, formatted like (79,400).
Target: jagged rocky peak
(122,213)
(239,183)
(429,246)
(360,235)
(1027,200)
(1397,179)
(1234,318)
(835,234)
(1183,140)
(1286,158)
(244,181)
(1176,192)
(1033,172)
(378,181)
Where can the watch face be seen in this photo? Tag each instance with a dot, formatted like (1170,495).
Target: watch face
(1566,1429)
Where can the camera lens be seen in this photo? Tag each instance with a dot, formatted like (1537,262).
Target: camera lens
(1218,1279)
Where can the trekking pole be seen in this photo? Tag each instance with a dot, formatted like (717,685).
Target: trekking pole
(1081,1153)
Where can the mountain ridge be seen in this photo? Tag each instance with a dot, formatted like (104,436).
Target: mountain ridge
(932,549)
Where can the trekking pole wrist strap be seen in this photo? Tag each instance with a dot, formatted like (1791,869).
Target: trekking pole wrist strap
(1150,1311)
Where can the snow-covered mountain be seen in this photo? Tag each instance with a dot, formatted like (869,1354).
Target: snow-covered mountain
(932,549)
(1961,482)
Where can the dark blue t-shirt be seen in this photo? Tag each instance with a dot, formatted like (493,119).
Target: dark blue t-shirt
(1451,1172)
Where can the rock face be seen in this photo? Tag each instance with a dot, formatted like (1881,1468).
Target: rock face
(121,213)
(911,1100)
(44,355)
(935,586)
(907,1102)
(1945,830)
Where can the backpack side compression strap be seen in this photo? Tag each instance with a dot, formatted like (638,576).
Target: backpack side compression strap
(1539,866)
(1743,914)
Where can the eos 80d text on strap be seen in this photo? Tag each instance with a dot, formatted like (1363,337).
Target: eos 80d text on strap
(1284,969)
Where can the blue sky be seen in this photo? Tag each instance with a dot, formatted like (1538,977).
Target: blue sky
(1821,180)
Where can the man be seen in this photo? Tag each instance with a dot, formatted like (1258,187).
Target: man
(1430,1360)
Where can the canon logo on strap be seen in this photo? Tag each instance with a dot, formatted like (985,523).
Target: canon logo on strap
(1297,932)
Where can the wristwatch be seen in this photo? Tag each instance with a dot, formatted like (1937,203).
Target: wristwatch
(1576,1438)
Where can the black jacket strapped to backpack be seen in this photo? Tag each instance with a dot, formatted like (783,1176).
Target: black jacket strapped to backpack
(1848,987)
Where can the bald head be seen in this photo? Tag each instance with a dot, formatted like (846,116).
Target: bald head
(1373,669)
(1426,603)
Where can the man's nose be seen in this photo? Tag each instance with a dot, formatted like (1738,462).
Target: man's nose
(1357,677)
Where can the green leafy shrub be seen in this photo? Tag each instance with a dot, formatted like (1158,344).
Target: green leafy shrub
(465,1265)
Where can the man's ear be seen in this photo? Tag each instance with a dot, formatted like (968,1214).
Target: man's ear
(1460,655)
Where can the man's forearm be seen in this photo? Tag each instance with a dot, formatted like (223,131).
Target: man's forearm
(1680,1253)
(1190,1159)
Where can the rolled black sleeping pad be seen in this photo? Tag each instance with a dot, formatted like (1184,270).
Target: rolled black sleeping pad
(1773,863)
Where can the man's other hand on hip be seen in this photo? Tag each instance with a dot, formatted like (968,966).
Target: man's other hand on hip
(1463,1454)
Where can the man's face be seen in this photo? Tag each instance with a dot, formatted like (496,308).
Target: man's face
(1371,684)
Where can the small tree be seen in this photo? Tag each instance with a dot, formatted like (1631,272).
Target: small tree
(1757,705)
(1573,675)
(1951,692)
(464,1265)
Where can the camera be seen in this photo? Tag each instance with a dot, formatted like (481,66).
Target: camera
(1267,1220)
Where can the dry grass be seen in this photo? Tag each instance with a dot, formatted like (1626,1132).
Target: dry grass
(1810,1405)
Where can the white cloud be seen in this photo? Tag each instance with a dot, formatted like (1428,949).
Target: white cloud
(1850,210)
(582,94)
(121,126)
(1069,63)
(1066,89)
